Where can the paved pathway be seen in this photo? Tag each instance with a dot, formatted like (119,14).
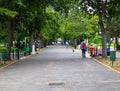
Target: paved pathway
(56,68)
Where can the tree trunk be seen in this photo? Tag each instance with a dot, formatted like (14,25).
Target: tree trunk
(10,37)
(31,40)
(103,33)
(116,43)
(38,37)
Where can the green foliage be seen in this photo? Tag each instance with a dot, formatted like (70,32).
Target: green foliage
(97,40)
(59,18)
(51,30)
(7,12)
(3,31)
(79,25)
(108,10)
(63,6)
(3,49)
(114,29)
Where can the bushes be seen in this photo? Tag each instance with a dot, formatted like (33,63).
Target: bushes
(4,49)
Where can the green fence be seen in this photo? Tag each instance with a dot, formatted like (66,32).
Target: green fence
(14,55)
(4,56)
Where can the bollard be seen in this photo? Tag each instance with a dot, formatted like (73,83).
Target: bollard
(4,56)
(112,56)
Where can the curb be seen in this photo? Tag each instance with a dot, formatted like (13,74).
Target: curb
(12,62)
(87,54)
(106,65)
(6,65)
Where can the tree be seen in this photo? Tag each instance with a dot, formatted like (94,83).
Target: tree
(31,24)
(8,13)
(51,31)
(11,16)
(79,25)
(63,6)
(5,14)
(105,10)
(38,14)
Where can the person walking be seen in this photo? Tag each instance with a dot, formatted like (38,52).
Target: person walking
(83,47)
(37,46)
(66,44)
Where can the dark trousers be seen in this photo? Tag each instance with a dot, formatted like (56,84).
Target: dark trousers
(83,53)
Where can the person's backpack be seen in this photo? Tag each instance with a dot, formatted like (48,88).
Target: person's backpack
(83,46)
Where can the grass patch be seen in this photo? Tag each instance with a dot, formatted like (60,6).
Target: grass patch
(115,65)
(1,64)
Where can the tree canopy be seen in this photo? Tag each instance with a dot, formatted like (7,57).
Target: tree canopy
(47,20)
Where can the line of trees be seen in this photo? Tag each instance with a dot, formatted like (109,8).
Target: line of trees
(106,10)
(21,18)
(47,20)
